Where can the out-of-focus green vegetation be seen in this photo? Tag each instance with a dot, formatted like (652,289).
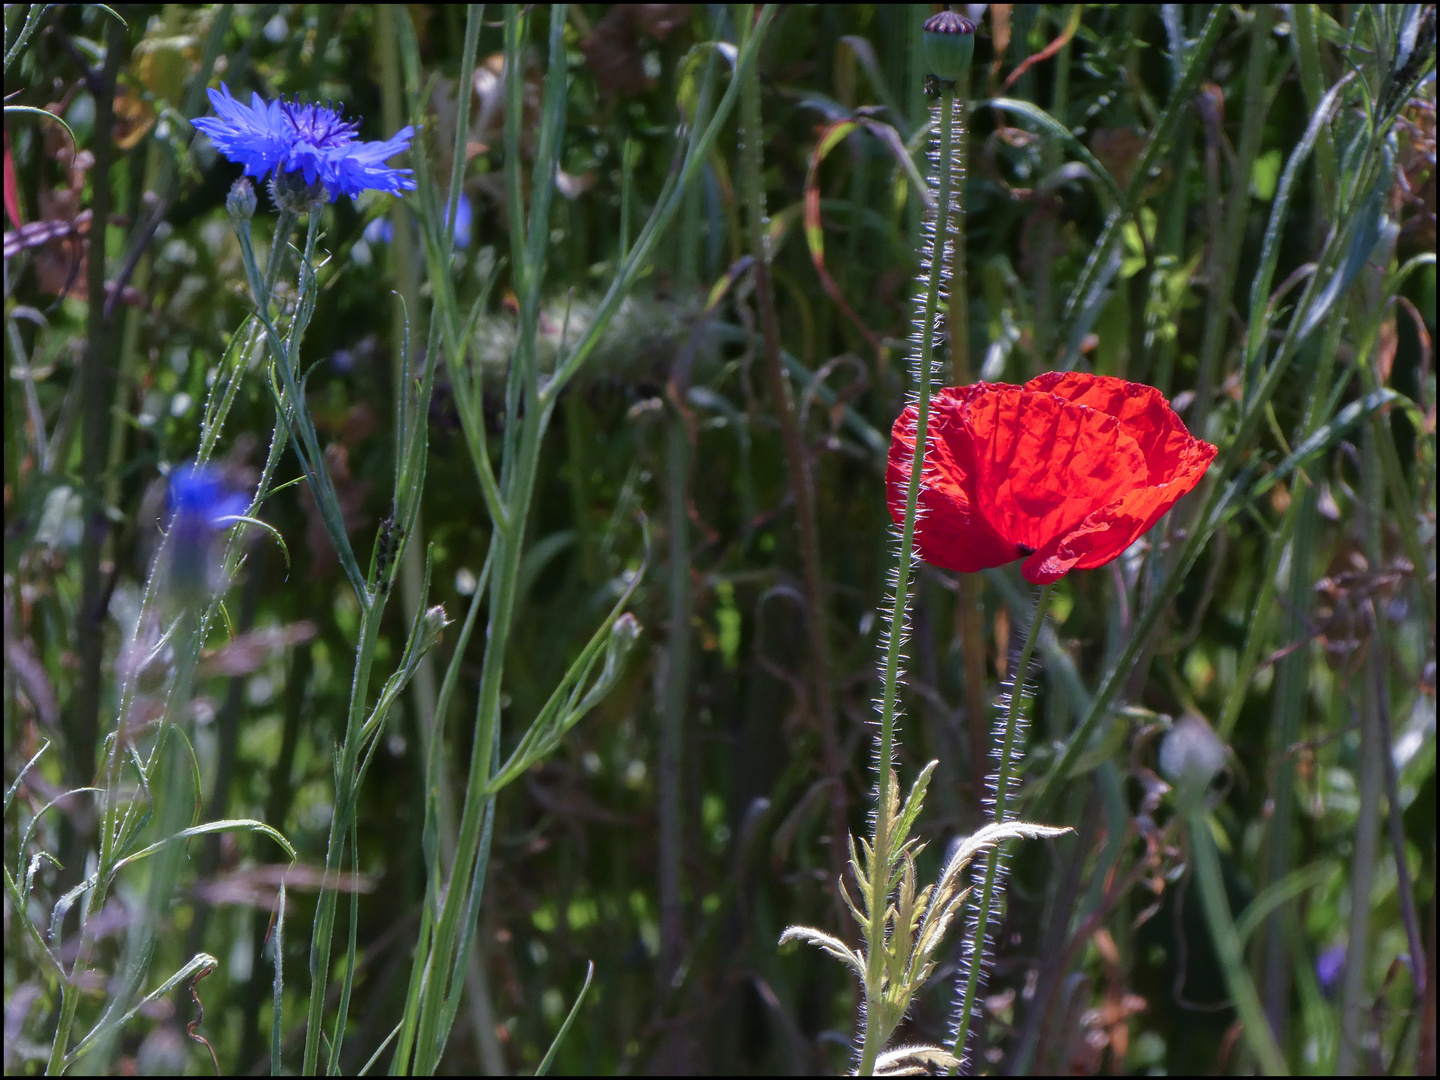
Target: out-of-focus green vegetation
(1146,167)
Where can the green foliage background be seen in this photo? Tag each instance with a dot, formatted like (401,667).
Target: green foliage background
(1104,960)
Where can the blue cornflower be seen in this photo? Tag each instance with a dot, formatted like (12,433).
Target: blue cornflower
(202,506)
(311,140)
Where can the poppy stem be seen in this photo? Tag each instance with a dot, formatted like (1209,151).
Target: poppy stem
(1002,779)
(874,1036)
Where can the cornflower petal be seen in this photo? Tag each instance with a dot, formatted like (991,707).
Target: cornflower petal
(361,167)
(310,139)
(244,134)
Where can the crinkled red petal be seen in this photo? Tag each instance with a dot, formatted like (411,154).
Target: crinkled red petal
(1069,469)
(1175,462)
(1045,464)
(948,532)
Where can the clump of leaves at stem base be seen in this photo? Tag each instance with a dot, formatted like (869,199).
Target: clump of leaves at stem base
(913,924)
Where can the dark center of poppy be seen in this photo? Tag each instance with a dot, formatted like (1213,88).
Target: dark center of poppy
(1025,549)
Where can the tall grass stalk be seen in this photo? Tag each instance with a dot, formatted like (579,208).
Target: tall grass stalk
(1211,883)
(797,460)
(449,923)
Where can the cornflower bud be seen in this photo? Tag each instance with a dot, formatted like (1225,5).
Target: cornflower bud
(293,195)
(240,203)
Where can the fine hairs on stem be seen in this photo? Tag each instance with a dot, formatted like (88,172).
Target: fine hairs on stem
(902,924)
(1010,726)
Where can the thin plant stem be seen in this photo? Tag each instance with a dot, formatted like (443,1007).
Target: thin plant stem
(1253,1025)
(82,722)
(673,693)
(797,459)
(345,776)
(1292,679)
(872,1038)
(1004,775)
(970,611)
(97,401)
(1370,690)
(517,482)
(1226,256)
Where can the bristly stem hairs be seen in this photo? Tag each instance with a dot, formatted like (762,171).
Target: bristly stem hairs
(901,924)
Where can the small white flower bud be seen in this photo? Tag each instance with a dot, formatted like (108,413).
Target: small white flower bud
(433,621)
(1191,756)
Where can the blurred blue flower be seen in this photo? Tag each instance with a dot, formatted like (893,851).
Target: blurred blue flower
(309,139)
(381,230)
(464,214)
(201,507)
(1329,966)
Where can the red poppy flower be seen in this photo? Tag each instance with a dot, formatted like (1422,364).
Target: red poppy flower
(1065,471)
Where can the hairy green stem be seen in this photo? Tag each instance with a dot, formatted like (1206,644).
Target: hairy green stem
(970,611)
(873,1039)
(1004,773)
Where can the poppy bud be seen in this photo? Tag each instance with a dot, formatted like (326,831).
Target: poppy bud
(948,44)
(240,203)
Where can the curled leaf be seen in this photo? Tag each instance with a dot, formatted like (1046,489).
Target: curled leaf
(834,946)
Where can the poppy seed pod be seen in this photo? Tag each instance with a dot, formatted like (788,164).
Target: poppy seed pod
(948,44)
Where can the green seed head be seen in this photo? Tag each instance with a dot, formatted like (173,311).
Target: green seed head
(949,43)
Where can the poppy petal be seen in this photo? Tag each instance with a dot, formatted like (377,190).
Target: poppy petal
(1067,470)
(1105,534)
(949,533)
(1046,464)
(1141,410)
(1175,462)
